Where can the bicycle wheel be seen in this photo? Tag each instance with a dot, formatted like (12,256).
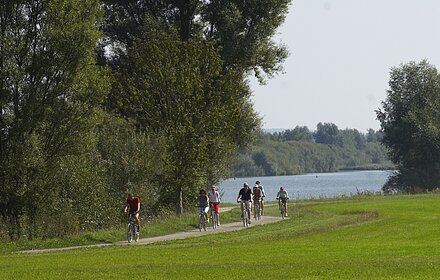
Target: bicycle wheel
(257,211)
(214,219)
(283,210)
(136,233)
(200,222)
(130,232)
(245,218)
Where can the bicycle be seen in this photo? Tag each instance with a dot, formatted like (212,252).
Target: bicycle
(283,207)
(257,214)
(213,218)
(132,233)
(202,221)
(245,212)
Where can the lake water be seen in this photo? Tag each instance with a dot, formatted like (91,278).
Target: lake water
(310,185)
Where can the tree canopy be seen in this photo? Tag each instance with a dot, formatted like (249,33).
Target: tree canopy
(410,121)
(101,98)
(49,86)
(181,71)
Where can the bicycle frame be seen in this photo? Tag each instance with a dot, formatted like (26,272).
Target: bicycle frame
(213,217)
(245,213)
(283,208)
(202,220)
(257,208)
(132,233)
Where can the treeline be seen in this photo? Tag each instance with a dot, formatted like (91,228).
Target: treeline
(299,151)
(101,98)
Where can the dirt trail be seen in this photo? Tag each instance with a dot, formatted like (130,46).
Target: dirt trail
(179,235)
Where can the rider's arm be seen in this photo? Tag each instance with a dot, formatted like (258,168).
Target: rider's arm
(127,206)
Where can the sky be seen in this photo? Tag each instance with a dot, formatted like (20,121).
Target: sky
(341,53)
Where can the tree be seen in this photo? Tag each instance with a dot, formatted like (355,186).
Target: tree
(49,85)
(326,133)
(374,136)
(244,30)
(176,88)
(299,133)
(350,138)
(410,122)
(178,73)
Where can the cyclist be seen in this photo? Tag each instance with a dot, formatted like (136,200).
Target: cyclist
(257,195)
(134,204)
(203,204)
(245,195)
(262,196)
(214,201)
(282,197)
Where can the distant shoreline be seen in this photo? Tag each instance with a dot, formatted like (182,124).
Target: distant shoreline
(344,169)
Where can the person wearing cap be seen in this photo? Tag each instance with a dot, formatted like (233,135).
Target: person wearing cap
(214,201)
(282,197)
(245,194)
(262,197)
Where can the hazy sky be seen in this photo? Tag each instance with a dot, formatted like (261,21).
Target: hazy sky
(341,52)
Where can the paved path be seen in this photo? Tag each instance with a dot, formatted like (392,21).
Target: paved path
(179,235)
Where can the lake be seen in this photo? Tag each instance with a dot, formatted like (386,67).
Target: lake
(314,185)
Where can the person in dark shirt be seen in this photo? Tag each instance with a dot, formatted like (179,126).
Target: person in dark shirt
(134,205)
(245,195)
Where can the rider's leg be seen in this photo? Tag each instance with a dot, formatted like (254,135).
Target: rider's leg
(138,222)
(248,205)
(205,212)
(262,206)
(217,206)
(284,203)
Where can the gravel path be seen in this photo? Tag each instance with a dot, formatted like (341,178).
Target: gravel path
(179,235)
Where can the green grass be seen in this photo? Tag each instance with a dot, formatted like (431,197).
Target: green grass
(151,228)
(394,237)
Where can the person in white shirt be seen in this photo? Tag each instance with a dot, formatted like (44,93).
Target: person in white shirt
(214,201)
(282,197)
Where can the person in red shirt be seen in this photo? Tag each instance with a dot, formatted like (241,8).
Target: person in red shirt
(134,205)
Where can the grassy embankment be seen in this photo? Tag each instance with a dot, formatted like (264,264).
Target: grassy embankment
(394,237)
(151,228)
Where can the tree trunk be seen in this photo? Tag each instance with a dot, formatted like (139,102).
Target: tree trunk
(179,206)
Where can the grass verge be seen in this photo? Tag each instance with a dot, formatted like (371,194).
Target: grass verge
(375,238)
